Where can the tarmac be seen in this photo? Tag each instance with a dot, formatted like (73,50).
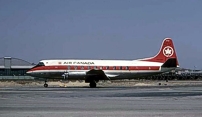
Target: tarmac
(104,101)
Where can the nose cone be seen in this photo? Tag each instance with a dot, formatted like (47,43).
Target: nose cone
(29,73)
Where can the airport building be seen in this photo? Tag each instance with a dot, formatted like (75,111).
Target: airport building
(14,68)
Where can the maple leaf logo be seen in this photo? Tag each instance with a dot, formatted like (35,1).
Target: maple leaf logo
(168,51)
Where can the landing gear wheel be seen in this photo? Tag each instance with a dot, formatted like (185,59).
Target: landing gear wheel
(92,84)
(45,85)
(166,79)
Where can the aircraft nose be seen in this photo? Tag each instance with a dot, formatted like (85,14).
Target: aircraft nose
(29,73)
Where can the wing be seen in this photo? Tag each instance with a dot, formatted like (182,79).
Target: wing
(97,75)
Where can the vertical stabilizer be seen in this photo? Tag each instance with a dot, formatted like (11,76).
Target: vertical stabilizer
(166,52)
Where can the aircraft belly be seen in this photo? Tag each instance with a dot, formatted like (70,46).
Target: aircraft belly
(49,75)
(82,75)
(132,75)
(59,75)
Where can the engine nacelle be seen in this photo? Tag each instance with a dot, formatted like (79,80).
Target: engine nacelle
(74,75)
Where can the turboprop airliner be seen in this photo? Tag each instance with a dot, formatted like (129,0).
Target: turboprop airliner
(94,70)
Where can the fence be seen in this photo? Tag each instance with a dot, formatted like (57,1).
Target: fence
(16,78)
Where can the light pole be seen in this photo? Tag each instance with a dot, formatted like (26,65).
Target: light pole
(194,67)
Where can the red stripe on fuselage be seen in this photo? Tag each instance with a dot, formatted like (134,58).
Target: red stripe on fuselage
(135,68)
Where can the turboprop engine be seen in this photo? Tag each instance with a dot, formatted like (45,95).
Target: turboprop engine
(73,75)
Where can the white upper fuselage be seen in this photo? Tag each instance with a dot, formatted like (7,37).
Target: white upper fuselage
(72,62)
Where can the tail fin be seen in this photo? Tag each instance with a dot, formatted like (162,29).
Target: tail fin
(166,52)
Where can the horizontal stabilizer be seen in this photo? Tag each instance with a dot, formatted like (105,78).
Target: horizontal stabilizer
(171,62)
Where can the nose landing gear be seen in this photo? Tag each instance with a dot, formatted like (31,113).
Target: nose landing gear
(45,85)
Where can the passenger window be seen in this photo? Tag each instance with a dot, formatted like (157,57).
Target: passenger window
(114,68)
(88,67)
(107,68)
(82,68)
(68,67)
(75,67)
(120,68)
(95,67)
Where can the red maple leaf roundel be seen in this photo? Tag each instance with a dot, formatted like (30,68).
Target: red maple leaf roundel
(168,51)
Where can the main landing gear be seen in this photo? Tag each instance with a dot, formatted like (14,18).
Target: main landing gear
(92,84)
(45,85)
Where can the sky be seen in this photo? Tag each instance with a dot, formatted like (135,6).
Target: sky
(33,30)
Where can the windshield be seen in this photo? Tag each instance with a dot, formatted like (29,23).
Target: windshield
(39,64)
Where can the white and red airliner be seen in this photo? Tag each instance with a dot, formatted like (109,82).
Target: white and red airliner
(94,70)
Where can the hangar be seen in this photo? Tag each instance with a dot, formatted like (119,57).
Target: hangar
(14,66)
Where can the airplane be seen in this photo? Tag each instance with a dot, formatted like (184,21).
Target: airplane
(92,71)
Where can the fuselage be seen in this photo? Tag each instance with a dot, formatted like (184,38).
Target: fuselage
(114,69)
(94,70)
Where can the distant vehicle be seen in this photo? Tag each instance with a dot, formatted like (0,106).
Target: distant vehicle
(94,70)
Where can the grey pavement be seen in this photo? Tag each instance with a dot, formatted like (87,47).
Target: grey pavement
(148,101)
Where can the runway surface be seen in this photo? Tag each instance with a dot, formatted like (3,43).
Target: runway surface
(148,101)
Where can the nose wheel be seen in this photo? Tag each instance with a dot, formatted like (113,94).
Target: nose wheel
(45,85)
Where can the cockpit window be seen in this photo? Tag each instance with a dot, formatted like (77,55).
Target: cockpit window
(39,64)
